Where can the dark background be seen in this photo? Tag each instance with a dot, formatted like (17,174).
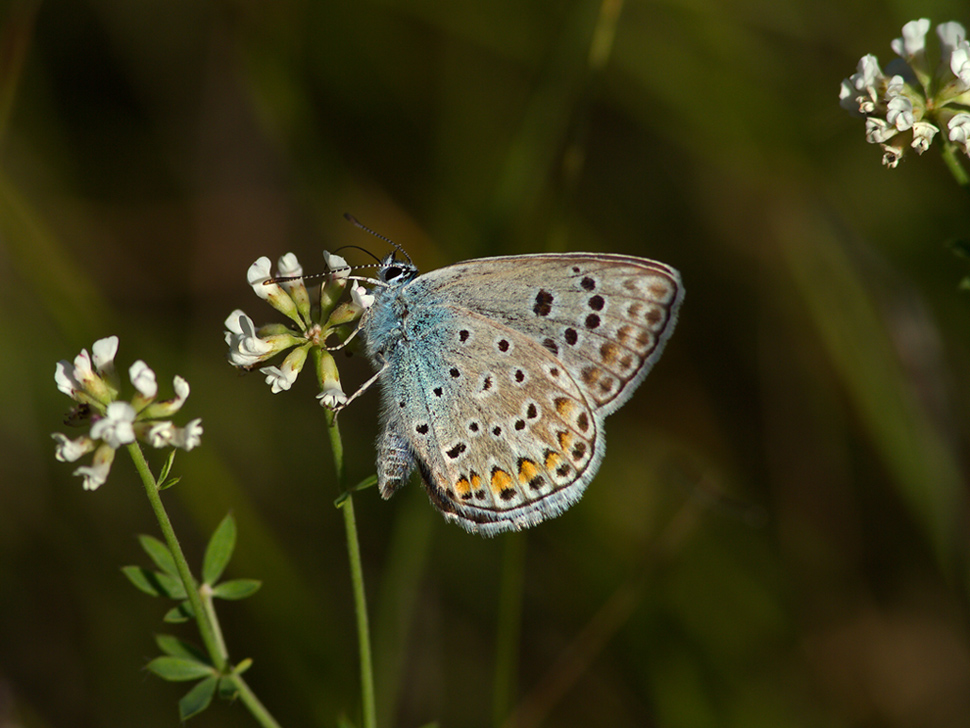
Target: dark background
(777,534)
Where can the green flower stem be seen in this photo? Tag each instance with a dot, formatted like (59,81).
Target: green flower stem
(368,701)
(205,615)
(953,164)
(205,592)
(249,699)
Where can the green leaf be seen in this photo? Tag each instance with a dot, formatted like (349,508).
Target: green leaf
(198,698)
(237,588)
(154,583)
(182,613)
(369,482)
(175,647)
(169,483)
(243,666)
(179,669)
(159,553)
(166,467)
(219,550)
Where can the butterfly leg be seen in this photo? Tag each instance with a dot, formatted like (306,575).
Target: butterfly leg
(361,389)
(395,461)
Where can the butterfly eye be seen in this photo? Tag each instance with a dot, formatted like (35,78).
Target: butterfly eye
(393,272)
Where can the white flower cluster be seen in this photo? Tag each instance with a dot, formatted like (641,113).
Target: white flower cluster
(912,102)
(91,381)
(315,321)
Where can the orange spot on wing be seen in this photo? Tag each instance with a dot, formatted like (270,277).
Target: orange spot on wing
(564,406)
(500,480)
(527,471)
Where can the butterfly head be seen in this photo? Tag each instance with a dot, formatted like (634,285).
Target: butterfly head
(394,272)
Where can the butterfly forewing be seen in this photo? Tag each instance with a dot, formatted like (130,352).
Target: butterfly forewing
(606,317)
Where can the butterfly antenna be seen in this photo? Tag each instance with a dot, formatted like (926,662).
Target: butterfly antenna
(363,250)
(354,221)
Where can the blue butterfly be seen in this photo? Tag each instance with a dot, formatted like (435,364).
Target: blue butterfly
(496,375)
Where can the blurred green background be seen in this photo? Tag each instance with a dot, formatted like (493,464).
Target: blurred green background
(777,536)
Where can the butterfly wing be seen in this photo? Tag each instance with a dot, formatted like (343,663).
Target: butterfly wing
(606,317)
(504,371)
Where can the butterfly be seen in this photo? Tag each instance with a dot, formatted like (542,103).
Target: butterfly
(496,375)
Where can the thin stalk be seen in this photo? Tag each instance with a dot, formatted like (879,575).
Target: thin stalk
(249,699)
(368,701)
(953,164)
(360,606)
(205,591)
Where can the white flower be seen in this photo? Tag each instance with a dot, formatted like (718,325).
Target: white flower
(361,296)
(923,133)
(97,472)
(181,388)
(103,352)
(246,348)
(336,265)
(951,35)
(80,381)
(859,92)
(914,38)
(892,155)
(64,377)
(273,293)
(258,273)
(161,434)
(960,62)
(279,379)
(878,130)
(189,436)
(959,130)
(288,266)
(115,428)
(69,450)
(83,371)
(899,113)
(144,379)
(332,397)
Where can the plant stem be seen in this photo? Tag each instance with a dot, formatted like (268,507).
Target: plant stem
(205,616)
(954,165)
(210,609)
(249,699)
(360,605)
(368,701)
